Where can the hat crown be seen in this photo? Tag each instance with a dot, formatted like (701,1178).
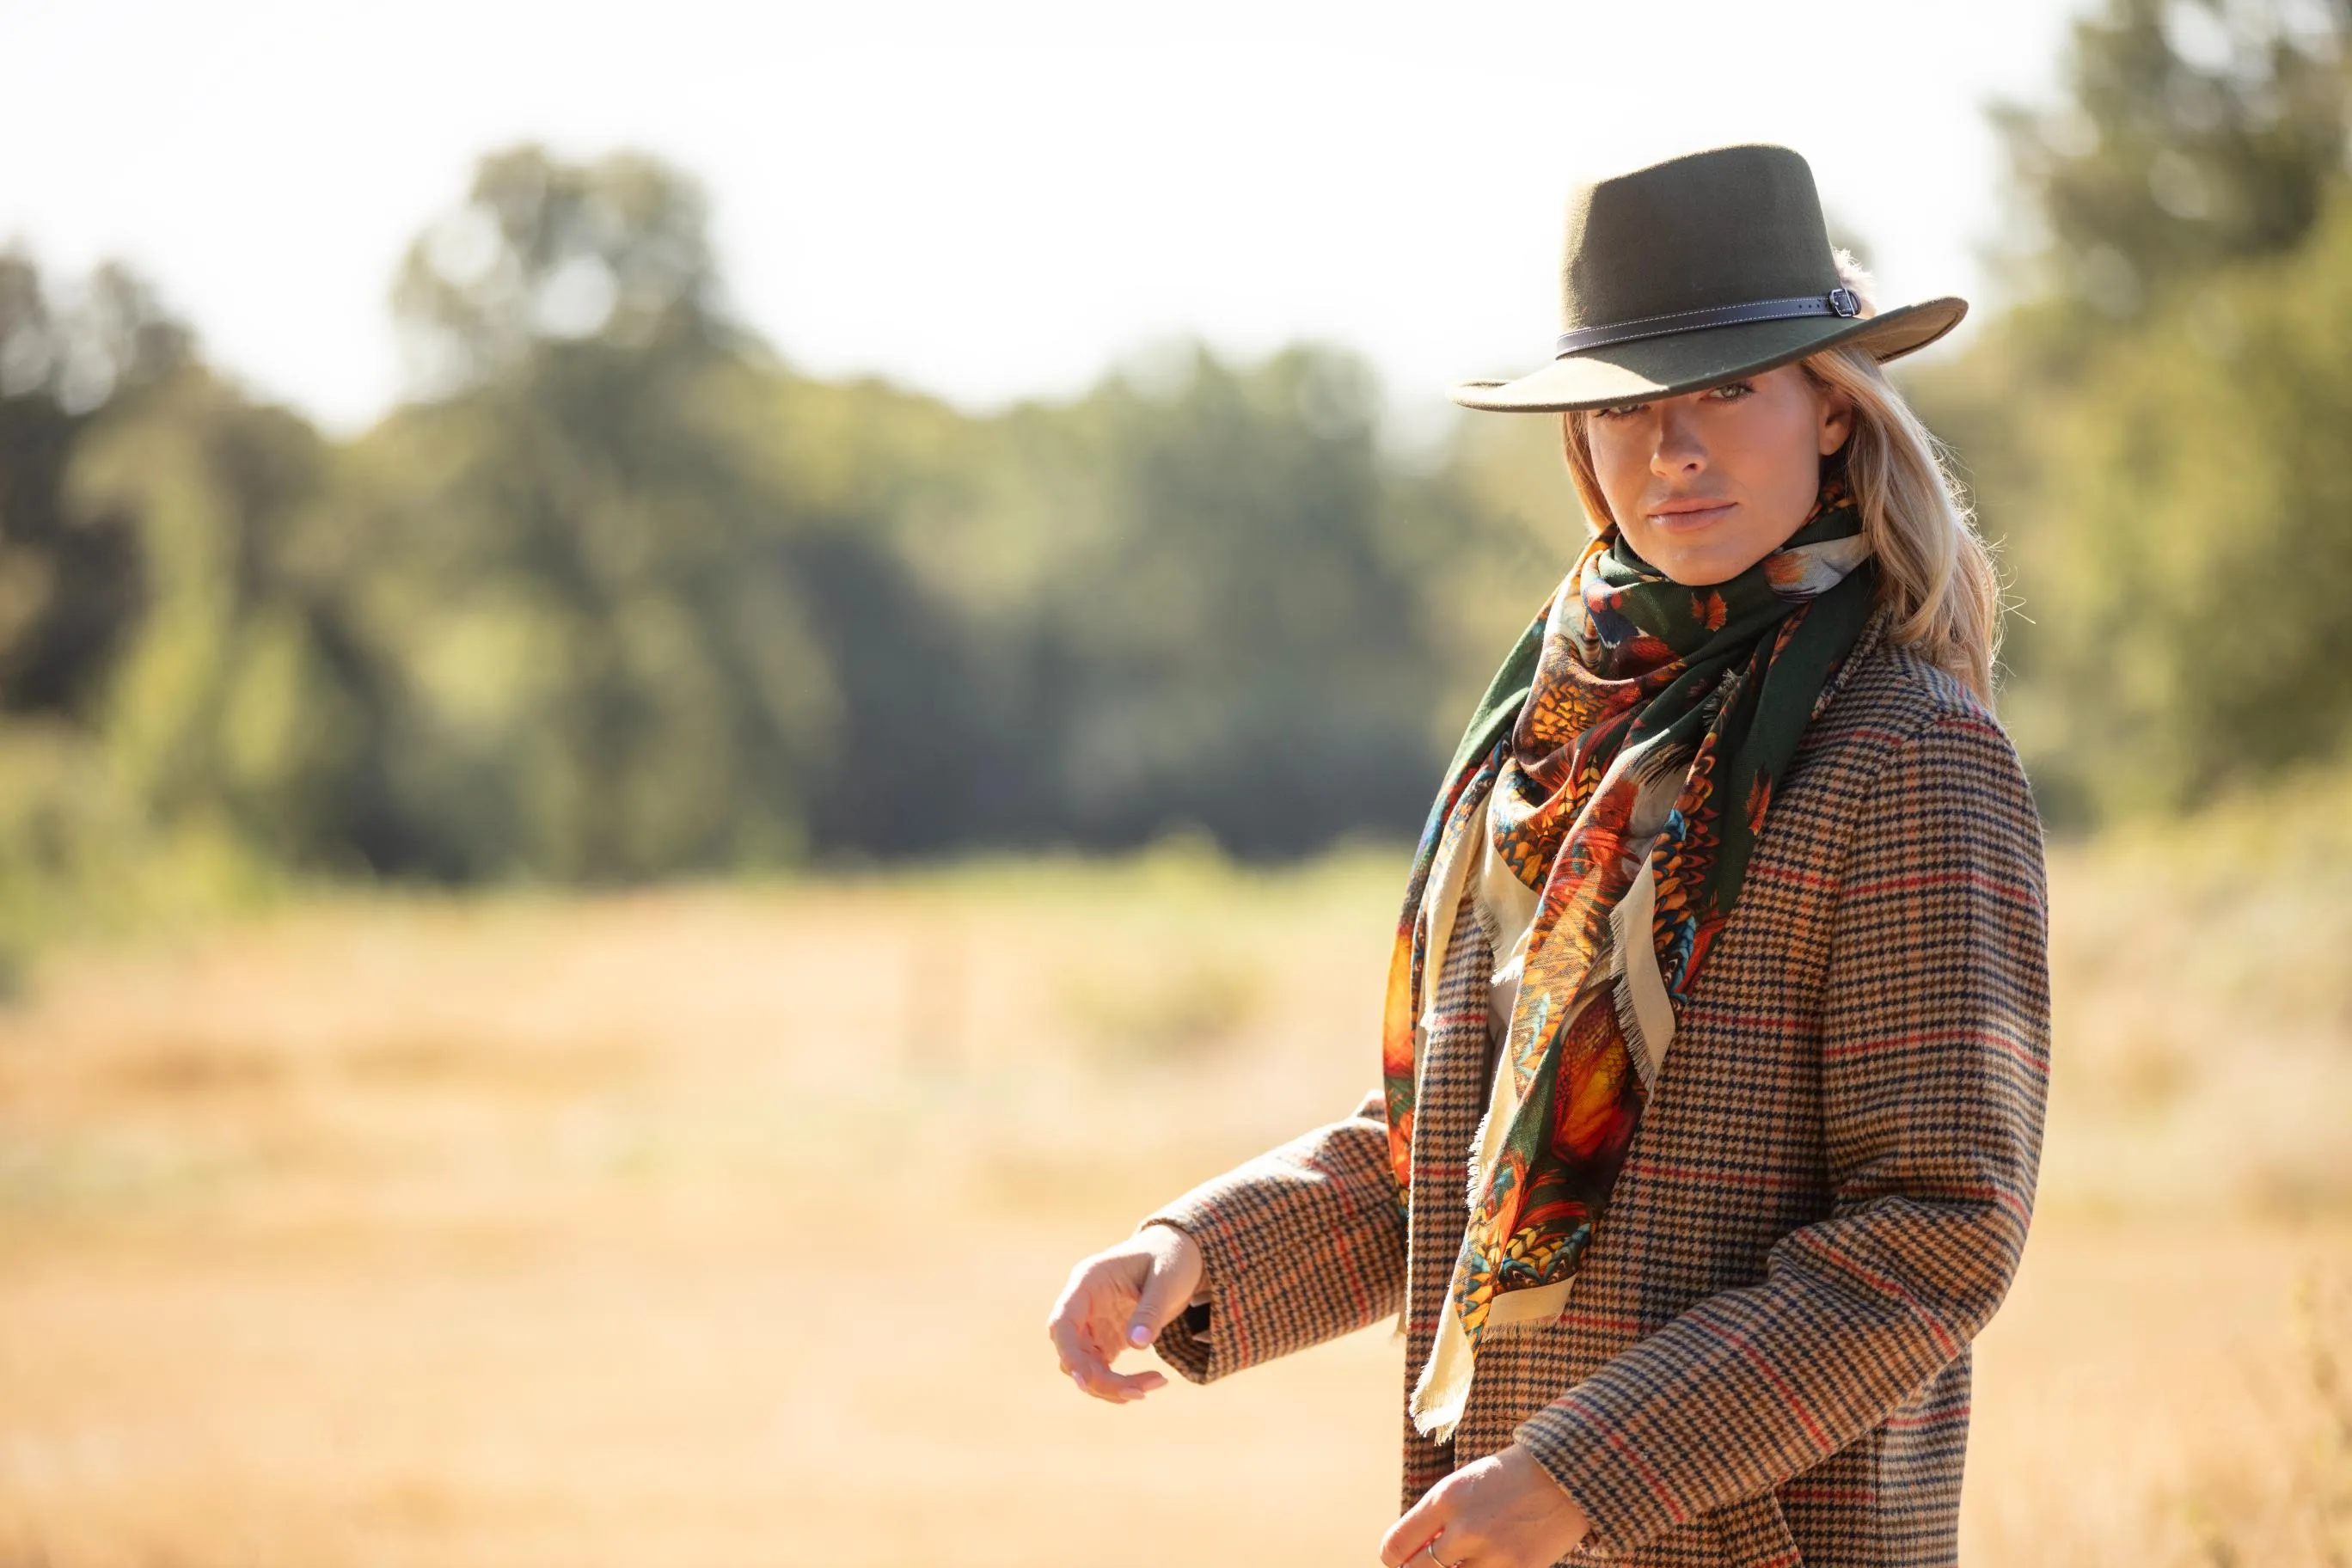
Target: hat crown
(1725,227)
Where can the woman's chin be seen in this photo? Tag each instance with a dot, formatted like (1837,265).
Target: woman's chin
(1702,569)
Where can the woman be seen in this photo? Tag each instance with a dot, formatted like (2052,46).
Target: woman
(1718,1026)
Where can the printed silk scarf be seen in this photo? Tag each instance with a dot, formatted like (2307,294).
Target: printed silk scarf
(1633,713)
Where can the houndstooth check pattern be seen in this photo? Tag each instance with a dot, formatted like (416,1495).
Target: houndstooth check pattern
(1765,1359)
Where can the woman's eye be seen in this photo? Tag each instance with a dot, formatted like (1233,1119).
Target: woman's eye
(1619,410)
(1730,390)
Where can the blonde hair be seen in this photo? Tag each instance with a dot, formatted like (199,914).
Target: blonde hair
(1934,568)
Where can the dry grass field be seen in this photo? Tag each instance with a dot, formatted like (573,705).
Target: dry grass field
(717,1227)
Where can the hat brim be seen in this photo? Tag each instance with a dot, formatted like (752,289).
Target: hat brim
(1686,362)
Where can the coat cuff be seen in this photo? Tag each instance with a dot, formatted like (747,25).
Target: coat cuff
(1198,1342)
(1624,1498)
(1299,1245)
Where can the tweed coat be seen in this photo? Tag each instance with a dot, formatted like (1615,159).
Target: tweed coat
(1765,1357)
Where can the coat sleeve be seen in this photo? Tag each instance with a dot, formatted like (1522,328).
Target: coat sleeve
(1299,1245)
(1934,1066)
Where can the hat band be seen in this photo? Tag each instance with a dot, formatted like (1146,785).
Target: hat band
(1836,302)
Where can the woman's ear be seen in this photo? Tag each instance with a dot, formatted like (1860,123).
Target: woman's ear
(1837,419)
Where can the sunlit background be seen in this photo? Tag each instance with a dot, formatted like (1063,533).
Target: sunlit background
(686,693)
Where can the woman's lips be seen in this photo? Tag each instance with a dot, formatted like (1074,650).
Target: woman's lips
(1685,515)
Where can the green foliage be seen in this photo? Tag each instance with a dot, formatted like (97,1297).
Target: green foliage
(543,252)
(1220,633)
(237,707)
(588,618)
(71,587)
(2157,437)
(2199,580)
(2192,133)
(620,595)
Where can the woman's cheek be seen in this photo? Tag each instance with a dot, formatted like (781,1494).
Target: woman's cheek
(1621,475)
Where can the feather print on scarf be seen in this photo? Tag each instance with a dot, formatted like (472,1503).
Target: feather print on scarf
(1625,779)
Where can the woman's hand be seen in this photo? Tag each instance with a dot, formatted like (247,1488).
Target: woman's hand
(1501,1512)
(1122,1297)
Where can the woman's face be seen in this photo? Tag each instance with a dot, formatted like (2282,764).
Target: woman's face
(1706,485)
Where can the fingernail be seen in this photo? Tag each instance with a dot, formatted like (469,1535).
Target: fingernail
(1138,1334)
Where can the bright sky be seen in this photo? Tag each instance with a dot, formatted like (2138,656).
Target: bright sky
(987,201)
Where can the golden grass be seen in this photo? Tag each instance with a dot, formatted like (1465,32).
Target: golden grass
(717,1227)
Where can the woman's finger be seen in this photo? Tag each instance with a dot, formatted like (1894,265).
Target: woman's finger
(1098,1334)
(1134,1384)
(1165,1294)
(1118,1388)
(1403,1546)
(1079,1340)
(1078,1357)
(1088,1325)
(1450,1554)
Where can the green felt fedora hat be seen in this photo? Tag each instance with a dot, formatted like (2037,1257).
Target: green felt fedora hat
(1696,271)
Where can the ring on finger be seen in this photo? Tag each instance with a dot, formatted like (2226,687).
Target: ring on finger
(1432,1549)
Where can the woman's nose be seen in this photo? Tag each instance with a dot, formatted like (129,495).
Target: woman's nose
(1678,449)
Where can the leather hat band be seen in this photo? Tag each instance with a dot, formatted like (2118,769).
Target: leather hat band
(1836,302)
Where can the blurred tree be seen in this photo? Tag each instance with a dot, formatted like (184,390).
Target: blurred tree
(543,252)
(619,595)
(246,706)
(70,579)
(1200,595)
(589,587)
(2199,557)
(169,689)
(2191,133)
(1228,642)
(2152,429)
